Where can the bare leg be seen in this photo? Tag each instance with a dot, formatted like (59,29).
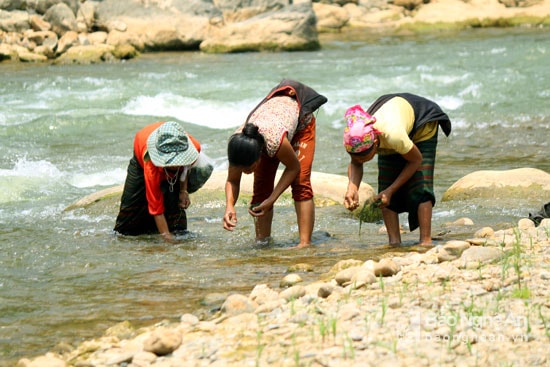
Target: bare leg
(263,226)
(305,214)
(391,220)
(425,223)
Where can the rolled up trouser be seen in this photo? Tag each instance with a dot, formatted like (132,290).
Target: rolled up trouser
(264,175)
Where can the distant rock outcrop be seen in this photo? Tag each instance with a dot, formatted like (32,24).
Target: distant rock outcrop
(106,30)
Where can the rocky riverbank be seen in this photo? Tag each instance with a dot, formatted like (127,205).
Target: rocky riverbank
(466,302)
(72,31)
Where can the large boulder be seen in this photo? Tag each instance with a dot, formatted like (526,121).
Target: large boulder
(14,21)
(291,28)
(61,18)
(156,26)
(521,182)
(330,18)
(87,54)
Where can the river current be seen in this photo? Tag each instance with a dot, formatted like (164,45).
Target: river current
(67,131)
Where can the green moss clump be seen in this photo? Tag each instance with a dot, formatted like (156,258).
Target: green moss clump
(370,212)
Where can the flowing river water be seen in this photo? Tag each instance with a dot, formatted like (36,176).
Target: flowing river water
(67,131)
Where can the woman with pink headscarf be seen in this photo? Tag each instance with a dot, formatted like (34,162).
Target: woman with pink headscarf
(402,128)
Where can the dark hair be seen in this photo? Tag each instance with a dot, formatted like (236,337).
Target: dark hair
(245,147)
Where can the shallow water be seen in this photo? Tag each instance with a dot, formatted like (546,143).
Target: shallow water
(66,131)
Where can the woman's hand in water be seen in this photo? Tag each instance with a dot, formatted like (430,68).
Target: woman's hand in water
(230,219)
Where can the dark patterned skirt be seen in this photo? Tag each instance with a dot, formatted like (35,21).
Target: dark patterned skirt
(418,189)
(134,218)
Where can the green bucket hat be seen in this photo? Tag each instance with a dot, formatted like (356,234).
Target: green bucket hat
(169,145)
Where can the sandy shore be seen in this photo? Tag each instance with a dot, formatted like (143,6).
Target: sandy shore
(478,301)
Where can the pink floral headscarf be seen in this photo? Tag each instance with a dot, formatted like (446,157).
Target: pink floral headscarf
(359,133)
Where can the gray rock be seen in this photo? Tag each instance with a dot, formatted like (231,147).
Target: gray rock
(43,38)
(42,6)
(345,276)
(294,292)
(444,255)
(262,294)
(38,23)
(325,290)
(162,341)
(91,54)
(477,255)
(68,40)
(485,232)
(85,17)
(292,28)
(362,277)
(301,267)
(12,5)
(521,182)
(330,18)
(182,26)
(455,247)
(290,280)
(27,56)
(236,304)
(62,19)
(386,268)
(14,21)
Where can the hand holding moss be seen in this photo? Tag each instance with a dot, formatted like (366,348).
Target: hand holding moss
(370,212)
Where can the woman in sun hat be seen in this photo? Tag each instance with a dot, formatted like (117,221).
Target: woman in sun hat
(402,128)
(280,129)
(155,191)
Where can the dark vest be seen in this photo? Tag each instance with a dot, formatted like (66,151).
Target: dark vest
(424,111)
(308,99)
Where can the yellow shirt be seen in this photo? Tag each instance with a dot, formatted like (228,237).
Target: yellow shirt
(395,120)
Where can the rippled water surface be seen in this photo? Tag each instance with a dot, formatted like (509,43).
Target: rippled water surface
(66,132)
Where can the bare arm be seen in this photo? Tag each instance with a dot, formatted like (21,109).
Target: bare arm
(287,156)
(232,188)
(355,175)
(162,226)
(185,201)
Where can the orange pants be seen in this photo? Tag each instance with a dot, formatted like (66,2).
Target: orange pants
(264,175)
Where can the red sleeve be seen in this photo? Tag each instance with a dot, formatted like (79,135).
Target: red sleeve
(195,143)
(153,177)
